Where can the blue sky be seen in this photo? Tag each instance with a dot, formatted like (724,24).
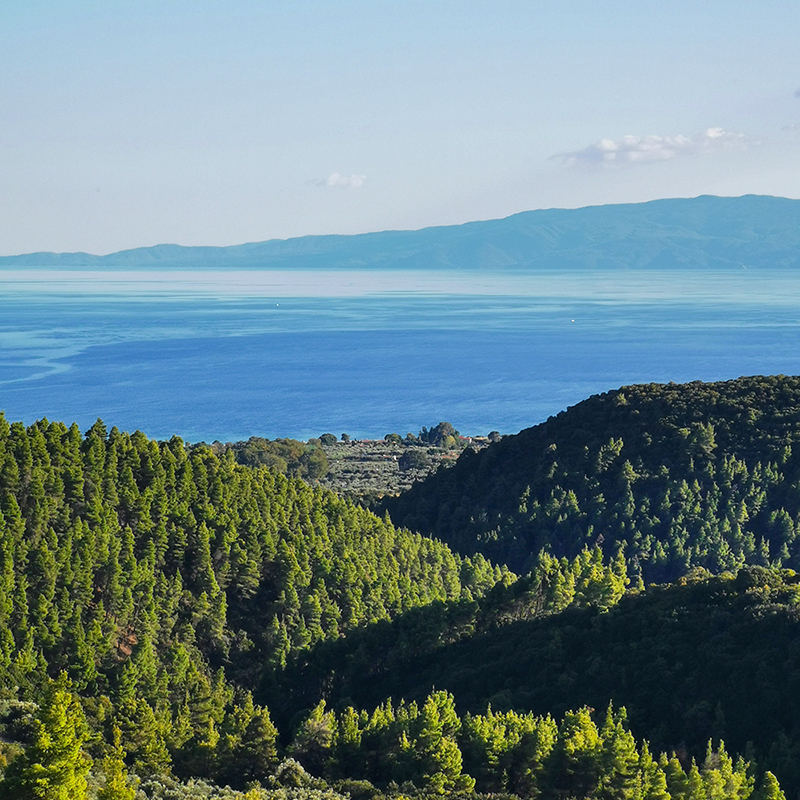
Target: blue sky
(125,124)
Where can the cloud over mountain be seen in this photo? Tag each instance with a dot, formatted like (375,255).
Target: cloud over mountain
(647,149)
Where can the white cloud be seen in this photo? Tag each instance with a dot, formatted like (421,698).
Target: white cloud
(793,128)
(647,149)
(342,181)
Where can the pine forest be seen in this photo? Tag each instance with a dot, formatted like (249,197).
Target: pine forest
(602,606)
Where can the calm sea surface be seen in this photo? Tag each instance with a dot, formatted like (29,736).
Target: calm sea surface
(227,355)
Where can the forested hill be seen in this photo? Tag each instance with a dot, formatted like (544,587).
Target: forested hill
(677,475)
(689,233)
(163,579)
(157,600)
(708,658)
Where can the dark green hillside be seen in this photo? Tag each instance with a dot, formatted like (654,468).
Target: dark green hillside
(161,580)
(709,658)
(679,475)
(339,668)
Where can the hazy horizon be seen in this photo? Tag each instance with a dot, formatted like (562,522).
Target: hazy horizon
(383,230)
(203,124)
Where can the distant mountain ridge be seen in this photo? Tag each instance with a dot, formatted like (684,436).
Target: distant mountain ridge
(701,232)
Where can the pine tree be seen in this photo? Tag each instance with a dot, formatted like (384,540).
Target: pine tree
(574,766)
(436,747)
(770,789)
(117,784)
(619,758)
(314,739)
(257,754)
(54,767)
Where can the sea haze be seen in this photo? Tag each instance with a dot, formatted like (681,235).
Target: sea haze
(227,354)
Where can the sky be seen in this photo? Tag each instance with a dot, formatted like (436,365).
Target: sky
(127,124)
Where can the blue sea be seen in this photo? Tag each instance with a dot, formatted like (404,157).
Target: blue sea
(213,354)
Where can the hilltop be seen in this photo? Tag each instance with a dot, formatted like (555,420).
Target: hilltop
(678,476)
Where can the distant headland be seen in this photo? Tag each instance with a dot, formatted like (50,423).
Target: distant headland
(696,233)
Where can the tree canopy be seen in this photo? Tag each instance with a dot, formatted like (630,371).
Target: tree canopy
(177,619)
(679,475)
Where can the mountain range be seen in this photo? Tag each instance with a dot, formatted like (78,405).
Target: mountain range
(704,232)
